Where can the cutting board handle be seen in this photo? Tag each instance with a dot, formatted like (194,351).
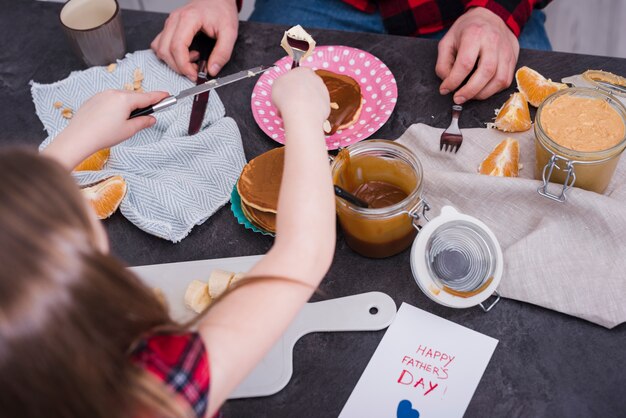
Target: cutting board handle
(365,312)
(370,311)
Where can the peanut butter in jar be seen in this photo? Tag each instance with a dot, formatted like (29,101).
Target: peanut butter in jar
(580,134)
(388,176)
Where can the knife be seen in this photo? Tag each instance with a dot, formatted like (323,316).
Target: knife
(204,45)
(170,101)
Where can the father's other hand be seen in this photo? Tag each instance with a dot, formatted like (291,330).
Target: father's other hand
(479,36)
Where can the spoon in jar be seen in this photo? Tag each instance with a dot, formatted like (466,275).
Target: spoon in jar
(349,197)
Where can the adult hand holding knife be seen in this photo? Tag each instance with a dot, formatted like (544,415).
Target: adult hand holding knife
(217,18)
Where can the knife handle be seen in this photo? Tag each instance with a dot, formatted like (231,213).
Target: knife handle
(143,111)
(204,44)
(163,104)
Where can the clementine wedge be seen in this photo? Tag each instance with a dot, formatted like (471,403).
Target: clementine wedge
(95,161)
(503,161)
(535,87)
(106,196)
(514,115)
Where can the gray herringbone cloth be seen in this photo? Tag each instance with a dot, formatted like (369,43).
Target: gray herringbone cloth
(175,181)
(569,257)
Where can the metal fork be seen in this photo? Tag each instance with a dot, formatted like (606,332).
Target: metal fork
(452,136)
(299,48)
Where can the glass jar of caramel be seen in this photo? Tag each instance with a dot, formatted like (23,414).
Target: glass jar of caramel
(580,134)
(389,177)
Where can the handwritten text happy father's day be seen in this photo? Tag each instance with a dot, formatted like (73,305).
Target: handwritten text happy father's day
(424,368)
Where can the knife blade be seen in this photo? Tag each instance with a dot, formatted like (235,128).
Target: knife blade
(204,45)
(170,101)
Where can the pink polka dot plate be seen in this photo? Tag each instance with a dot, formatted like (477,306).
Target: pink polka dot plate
(378,88)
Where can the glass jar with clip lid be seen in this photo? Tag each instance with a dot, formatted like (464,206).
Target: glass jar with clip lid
(456,260)
(580,134)
(389,177)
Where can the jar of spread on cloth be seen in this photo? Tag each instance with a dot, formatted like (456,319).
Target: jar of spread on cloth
(389,177)
(580,134)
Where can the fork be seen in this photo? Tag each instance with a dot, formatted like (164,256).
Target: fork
(299,48)
(452,136)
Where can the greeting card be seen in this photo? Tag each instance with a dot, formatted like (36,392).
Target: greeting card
(425,366)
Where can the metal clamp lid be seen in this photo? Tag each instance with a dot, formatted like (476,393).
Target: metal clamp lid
(414,212)
(488,308)
(570,178)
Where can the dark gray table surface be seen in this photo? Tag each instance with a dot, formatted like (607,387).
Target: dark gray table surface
(546,364)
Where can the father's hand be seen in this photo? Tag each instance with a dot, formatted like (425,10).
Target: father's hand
(479,36)
(217,18)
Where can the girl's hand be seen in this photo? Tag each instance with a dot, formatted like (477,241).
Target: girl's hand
(102,122)
(301,93)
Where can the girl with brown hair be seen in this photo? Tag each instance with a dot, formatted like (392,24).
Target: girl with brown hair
(81,336)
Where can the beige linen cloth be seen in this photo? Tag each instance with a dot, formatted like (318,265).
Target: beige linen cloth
(569,257)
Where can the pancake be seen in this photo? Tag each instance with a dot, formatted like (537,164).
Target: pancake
(346,93)
(259,183)
(263,220)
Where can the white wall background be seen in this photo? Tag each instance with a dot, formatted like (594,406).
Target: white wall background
(596,27)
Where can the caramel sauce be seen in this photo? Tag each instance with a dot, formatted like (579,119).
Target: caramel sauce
(470,293)
(381,249)
(379,194)
(346,93)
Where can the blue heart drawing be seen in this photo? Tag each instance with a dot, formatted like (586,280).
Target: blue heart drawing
(405,410)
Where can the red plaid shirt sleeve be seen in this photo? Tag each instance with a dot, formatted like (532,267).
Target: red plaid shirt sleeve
(421,17)
(181,363)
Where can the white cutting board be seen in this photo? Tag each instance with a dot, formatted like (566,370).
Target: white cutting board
(350,313)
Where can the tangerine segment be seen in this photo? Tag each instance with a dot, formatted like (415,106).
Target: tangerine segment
(514,115)
(106,196)
(503,161)
(535,87)
(95,161)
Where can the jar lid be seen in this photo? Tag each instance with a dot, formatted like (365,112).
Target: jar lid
(456,260)
(606,81)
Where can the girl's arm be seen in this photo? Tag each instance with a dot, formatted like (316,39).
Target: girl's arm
(101,122)
(240,329)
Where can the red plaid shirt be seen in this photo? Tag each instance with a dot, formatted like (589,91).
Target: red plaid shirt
(181,362)
(421,17)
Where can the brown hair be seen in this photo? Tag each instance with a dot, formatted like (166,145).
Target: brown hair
(69,314)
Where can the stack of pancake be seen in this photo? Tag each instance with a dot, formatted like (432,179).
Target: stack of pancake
(258,187)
